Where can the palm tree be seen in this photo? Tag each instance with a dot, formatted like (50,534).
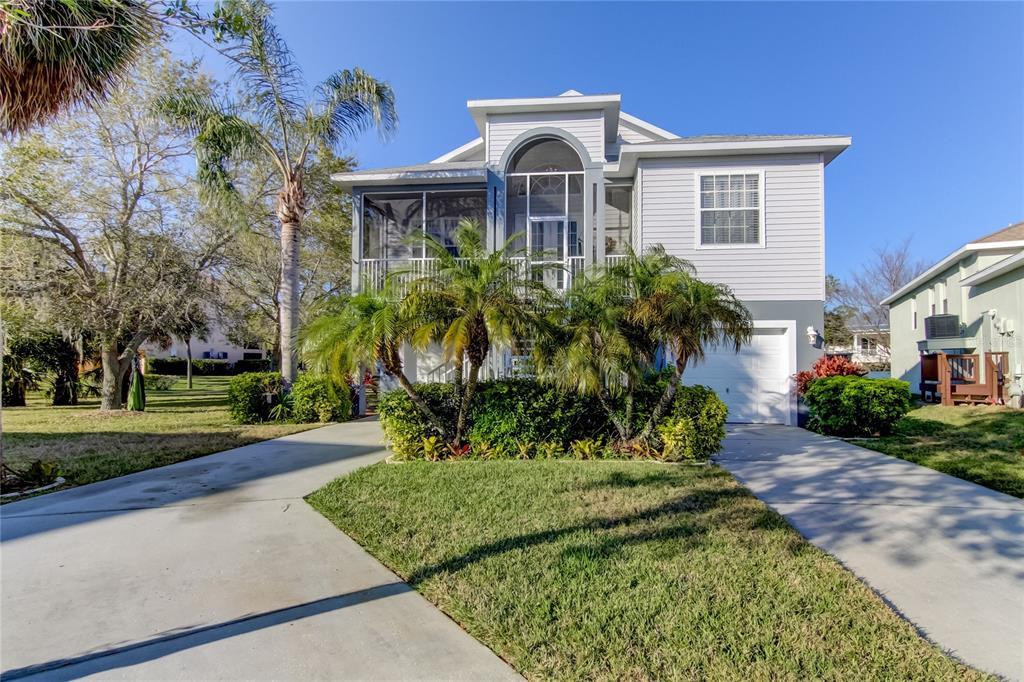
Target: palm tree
(276,122)
(683,313)
(54,55)
(364,329)
(471,302)
(586,345)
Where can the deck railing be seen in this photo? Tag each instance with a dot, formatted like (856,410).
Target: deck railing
(557,274)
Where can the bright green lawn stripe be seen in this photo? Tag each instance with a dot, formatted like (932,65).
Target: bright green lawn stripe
(625,570)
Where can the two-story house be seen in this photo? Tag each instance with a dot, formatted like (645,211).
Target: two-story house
(970,302)
(582,181)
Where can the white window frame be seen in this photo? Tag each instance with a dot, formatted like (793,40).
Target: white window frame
(763,228)
(943,305)
(931,302)
(913,313)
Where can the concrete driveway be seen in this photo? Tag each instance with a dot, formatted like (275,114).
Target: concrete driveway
(216,568)
(947,554)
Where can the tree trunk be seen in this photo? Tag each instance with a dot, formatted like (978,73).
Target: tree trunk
(609,409)
(291,209)
(666,399)
(467,401)
(111,395)
(421,405)
(188,355)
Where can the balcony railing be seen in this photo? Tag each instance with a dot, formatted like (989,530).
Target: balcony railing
(557,274)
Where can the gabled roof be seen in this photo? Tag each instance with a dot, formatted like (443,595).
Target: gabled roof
(1007,238)
(479,109)
(1007,234)
(476,145)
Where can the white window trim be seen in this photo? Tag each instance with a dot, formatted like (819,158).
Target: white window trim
(697,209)
(913,314)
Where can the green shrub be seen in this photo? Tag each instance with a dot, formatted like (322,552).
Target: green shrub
(241,366)
(404,426)
(525,419)
(170,366)
(512,410)
(855,406)
(159,382)
(211,368)
(247,396)
(317,398)
(707,413)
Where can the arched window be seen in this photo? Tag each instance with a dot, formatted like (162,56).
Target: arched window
(545,155)
(544,205)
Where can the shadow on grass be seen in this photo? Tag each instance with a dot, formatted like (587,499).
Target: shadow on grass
(684,530)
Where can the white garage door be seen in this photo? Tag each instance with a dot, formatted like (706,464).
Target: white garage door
(755,382)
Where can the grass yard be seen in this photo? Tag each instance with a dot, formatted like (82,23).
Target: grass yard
(625,570)
(92,446)
(979,443)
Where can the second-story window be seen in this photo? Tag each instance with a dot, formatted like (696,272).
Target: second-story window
(730,210)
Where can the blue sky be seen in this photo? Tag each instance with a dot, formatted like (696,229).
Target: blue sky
(932,93)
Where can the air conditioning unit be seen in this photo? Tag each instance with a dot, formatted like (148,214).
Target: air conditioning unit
(942,326)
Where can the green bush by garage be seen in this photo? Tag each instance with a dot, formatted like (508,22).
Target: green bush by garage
(856,406)
(527,419)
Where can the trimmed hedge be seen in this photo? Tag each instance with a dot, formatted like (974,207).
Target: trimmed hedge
(241,366)
(317,398)
(247,399)
(159,382)
(204,368)
(856,406)
(524,419)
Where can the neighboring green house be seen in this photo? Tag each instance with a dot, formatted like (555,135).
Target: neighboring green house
(972,301)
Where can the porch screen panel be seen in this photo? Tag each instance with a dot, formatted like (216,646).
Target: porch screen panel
(515,211)
(576,223)
(389,220)
(618,202)
(547,195)
(446,209)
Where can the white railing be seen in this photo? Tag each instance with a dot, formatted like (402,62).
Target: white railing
(557,274)
(614,258)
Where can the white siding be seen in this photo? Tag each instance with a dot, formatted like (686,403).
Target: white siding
(791,264)
(586,126)
(628,135)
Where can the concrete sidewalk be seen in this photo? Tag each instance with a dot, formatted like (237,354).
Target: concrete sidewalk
(216,568)
(947,554)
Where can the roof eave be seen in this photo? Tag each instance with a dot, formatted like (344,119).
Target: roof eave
(423,177)
(610,104)
(831,147)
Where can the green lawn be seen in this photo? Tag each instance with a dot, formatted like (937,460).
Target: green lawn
(625,570)
(979,443)
(92,446)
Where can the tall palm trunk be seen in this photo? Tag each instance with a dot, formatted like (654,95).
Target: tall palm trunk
(111,393)
(291,209)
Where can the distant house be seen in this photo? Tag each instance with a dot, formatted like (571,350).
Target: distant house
(970,302)
(215,346)
(867,346)
(577,182)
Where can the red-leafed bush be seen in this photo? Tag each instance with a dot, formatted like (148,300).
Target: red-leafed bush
(827,366)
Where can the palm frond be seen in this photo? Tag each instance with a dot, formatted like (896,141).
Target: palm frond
(350,102)
(220,135)
(55,55)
